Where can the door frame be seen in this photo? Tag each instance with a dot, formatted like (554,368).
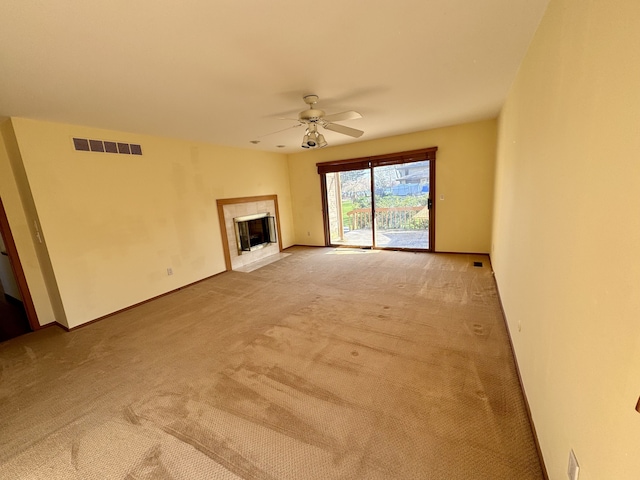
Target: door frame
(18,272)
(378,161)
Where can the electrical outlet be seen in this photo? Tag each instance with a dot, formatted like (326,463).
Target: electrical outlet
(308,234)
(169,271)
(574,469)
(519,326)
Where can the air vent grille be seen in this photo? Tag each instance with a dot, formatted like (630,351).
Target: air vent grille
(96,145)
(123,148)
(81,144)
(86,145)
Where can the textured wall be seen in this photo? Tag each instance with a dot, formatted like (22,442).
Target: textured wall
(567,234)
(14,191)
(114,223)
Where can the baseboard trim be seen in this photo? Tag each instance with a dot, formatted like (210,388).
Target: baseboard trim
(462,253)
(416,250)
(524,393)
(58,324)
(137,304)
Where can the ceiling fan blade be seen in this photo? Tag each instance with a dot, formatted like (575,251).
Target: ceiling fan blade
(338,117)
(352,132)
(283,130)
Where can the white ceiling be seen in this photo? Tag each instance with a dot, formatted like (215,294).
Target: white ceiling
(226,71)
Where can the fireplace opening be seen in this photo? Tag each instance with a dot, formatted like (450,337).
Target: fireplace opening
(254,231)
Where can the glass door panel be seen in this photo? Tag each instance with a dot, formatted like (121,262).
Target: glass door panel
(349,208)
(402,205)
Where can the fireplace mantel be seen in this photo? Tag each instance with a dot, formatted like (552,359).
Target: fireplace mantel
(228,209)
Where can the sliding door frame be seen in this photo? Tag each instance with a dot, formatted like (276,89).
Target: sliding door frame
(364,163)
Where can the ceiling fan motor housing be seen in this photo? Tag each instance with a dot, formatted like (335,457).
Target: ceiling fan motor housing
(311,116)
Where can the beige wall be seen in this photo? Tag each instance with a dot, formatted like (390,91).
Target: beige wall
(113,223)
(567,234)
(464,175)
(15,195)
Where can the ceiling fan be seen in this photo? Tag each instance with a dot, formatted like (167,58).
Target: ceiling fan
(312,117)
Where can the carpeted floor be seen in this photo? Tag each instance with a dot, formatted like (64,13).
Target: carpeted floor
(328,364)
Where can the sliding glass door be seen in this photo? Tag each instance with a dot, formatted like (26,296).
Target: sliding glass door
(401,194)
(380,202)
(348,201)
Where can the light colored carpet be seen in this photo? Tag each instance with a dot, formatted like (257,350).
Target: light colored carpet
(328,364)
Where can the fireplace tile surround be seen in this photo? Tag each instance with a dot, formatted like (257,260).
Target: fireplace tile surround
(232,208)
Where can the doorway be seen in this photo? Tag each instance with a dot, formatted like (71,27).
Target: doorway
(380,202)
(17,313)
(349,211)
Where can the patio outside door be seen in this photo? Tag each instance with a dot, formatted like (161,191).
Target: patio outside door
(386,204)
(402,205)
(348,201)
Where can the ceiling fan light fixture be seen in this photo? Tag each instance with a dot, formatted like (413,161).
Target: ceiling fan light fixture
(321,141)
(312,142)
(311,138)
(305,139)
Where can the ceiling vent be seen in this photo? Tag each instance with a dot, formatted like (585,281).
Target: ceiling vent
(105,146)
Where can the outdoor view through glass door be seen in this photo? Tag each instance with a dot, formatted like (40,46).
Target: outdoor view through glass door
(349,208)
(401,205)
(399,196)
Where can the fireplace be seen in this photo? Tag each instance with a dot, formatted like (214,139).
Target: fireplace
(254,231)
(240,254)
